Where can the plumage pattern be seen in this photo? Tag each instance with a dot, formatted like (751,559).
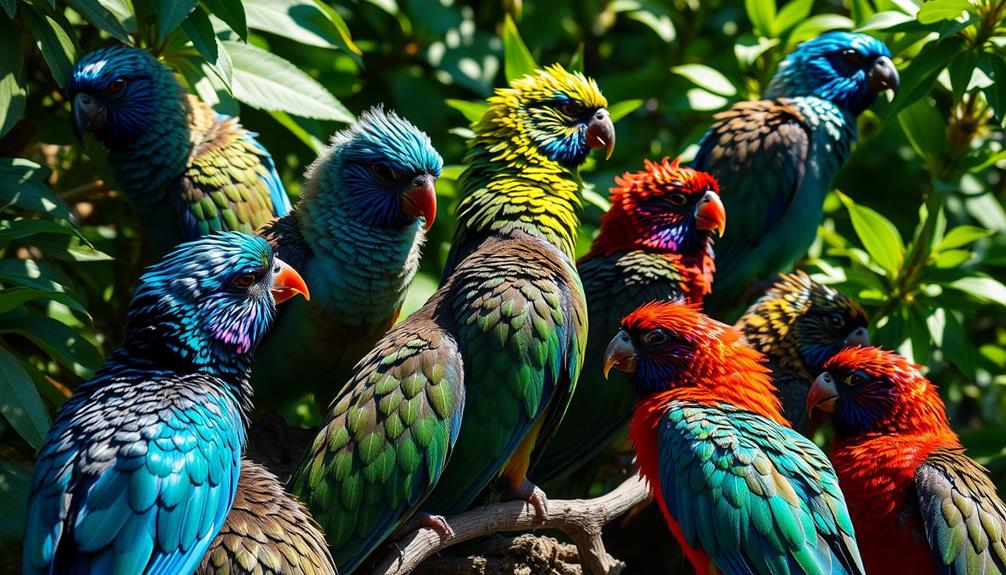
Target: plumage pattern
(267,532)
(919,503)
(357,240)
(188,170)
(741,491)
(775,158)
(509,316)
(656,242)
(141,464)
(798,324)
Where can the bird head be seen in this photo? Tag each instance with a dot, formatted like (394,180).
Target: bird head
(116,92)
(800,323)
(664,207)
(868,390)
(846,68)
(208,302)
(560,114)
(381,170)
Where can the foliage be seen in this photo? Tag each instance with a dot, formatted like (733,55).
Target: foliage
(918,232)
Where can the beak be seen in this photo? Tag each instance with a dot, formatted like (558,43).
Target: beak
(710,215)
(601,133)
(822,395)
(286,282)
(859,336)
(88,115)
(620,354)
(421,199)
(884,76)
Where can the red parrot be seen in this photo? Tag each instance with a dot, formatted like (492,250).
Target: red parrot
(741,491)
(919,504)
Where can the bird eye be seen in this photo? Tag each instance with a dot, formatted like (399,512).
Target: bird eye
(677,199)
(836,321)
(569,109)
(852,57)
(116,86)
(244,281)
(655,337)
(383,171)
(857,379)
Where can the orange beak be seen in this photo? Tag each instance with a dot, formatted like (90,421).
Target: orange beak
(421,199)
(286,282)
(601,133)
(710,215)
(822,395)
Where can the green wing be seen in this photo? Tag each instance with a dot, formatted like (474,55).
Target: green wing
(964,518)
(386,439)
(753,495)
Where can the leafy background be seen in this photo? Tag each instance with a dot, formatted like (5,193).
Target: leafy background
(915,229)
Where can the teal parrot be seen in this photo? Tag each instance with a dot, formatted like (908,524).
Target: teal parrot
(188,170)
(458,391)
(356,236)
(775,158)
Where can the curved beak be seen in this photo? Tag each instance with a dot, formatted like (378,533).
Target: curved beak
(420,200)
(88,115)
(601,133)
(620,354)
(710,215)
(286,282)
(822,395)
(859,336)
(883,76)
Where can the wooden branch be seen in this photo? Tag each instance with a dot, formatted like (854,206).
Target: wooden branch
(581,519)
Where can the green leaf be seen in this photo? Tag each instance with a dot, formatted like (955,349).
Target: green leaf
(962,68)
(704,101)
(13,297)
(591,196)
(12,91)
(21,186)
(56,44)
(58,340)
(232,12)
(472,111)
(302,21)
(962,236)
(10,7)
(68,247)
(924,128)
(650,14)
(996,92)
(264,80)
(619,110)
(878,235)
(792,13)
(762,15)
(982,288)
(171,13)
(290,123)
(15,482)
(957,346)
(918,334)
(707,78)
(576,62)
(921,73)
(30,273)
(884,20)
(517,59)
(340,25)
(22,229)
(20,402)
(816,25)
(199,29)
(938,10)
(101,18)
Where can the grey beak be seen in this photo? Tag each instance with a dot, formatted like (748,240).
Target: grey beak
(859,336)
(884,76)
(88,115)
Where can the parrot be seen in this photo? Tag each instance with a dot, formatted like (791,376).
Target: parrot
(919,503)
(141,464)
(356,235)
(509,318)
(798,324)
(741,491)
(267,532)
(655,242)
(775,158)
(188,170)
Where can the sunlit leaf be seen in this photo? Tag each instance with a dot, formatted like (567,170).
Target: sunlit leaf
(792,13)
(619,110)
(171,13)
(938,10)
(101,17)
(921,73)
(51,35)
(472,111)
(705,77)
(879,236)
(302,21)
(962,236)
(762,14)
(232,12)
(884,20)
(58,340)
(983,288)
(651,14)
(20,403)
(199,29)
(924,128)
(12,91)
(819,24)
(517,59)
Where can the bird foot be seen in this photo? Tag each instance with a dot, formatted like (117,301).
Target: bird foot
(530,493)
(420,520)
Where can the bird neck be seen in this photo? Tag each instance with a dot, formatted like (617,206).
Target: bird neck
(147,164)
(510,187)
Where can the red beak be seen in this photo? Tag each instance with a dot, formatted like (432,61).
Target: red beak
(286,282)
(710,215)
(421,200)
(601,133)
(823,395)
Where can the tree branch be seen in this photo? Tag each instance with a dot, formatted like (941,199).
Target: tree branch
(581,519)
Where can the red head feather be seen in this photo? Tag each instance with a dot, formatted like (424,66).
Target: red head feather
(689,355)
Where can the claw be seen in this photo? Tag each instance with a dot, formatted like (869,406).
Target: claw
(532,494)
(420,520)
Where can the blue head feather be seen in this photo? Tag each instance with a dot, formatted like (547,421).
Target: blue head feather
(835,66)
(188,312)
(366,168)
(132,87)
